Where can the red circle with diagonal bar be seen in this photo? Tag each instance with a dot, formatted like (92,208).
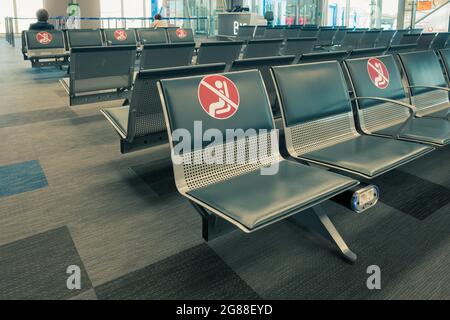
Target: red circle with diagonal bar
(181,33)
(378,73)
(44,37)
(120,35)
(218,96)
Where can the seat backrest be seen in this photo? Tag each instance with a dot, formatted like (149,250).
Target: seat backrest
(325,36)
(101,68)
(176,35)
(145,113)
(245,32)
(377,77)
(85,38)
(410,38)
(273,33)
(308,32)
(299,46)
(259,32)
(120,37)
(445,57)
(351,39)
(24,42)
(424,41)
(315,106)
(440,40)
(263,48)
(151,36)
(264,65)
(369,39)
(323,56)
(399,48)
(371,52)
(423,68)
(189,102)
(291,32)
(166,55)
(44,40)
(219,51)
(398,36)
(385,38)
(340,35)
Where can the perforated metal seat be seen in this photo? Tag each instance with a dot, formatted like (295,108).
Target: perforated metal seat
(238,192)
(141,125)
(45,48)
(100,74)
(219,51)
(427,86)
(263,48)
(120,37)
(319,124)
(386,111)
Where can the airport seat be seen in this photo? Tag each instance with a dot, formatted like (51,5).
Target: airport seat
(340,35)
(325,36)
(259,32)
(351,40)
(400,48)
(398,36)
(177,35)
(440,41)
(245,33)
(292,32)
(262,48)
(219,51)
(385,38)
(166,55)
(84,38)
(323,56)
(369,39)
(427,85)
(299,46)
(239,192)
(46,48)
(383,106)
(100,74)
(369,52)
(410,38)
(424,41)
(120,37)
(319,125)
(308,33)
(264,65)
(274,33)
(152,36)
(445,58)
(141,124)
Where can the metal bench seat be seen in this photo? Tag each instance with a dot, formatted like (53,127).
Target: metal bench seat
(45,48)
(320,127)
(234,194)
(384,108)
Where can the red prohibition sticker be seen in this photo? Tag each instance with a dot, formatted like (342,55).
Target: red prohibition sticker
(44,37)
(120,35)
(378,73)
(218,96)
(181,33)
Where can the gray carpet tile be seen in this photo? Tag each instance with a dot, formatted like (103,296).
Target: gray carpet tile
(21,118)
(35,267)
(412,195)
(286,261)
(158,176)
(196,273)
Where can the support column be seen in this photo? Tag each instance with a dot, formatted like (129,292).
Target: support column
(401,14)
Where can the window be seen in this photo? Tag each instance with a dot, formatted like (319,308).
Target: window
(6,10)
(134,9)
(26,11)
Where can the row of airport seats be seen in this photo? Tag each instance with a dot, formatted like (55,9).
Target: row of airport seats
(52,47)
(334,141)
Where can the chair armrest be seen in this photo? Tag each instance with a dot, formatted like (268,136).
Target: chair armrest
(431,87)
(411,108)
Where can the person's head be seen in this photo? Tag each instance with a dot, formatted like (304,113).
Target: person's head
(42,15)
(158,16)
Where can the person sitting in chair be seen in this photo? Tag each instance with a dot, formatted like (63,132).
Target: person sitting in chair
(159,23)
(42,24)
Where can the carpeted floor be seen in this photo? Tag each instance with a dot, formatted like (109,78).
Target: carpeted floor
(69,197)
